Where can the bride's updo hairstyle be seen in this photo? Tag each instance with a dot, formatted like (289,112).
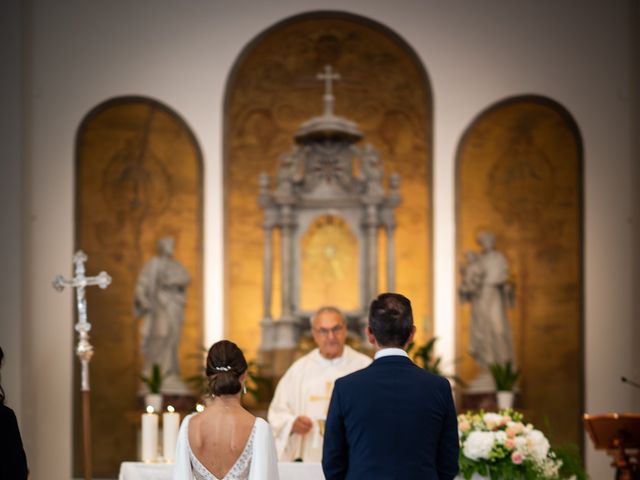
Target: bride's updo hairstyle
(225,365)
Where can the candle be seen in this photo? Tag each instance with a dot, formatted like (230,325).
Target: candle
(149,435)
(170,426)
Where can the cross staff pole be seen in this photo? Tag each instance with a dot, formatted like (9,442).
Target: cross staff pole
(84,350)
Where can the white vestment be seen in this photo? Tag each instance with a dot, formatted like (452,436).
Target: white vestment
(258,461)
(305,389)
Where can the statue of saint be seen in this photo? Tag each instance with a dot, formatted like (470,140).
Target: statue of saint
(485,285)
(160,297)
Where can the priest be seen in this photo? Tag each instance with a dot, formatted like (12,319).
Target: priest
(301,399)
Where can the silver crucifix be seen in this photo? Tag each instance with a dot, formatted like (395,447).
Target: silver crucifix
(84,350)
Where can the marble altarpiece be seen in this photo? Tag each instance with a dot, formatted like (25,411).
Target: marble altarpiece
(327,182)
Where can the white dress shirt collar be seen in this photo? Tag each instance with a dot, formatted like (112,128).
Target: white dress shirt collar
(387,352)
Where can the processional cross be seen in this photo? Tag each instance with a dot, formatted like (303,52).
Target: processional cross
(84,350)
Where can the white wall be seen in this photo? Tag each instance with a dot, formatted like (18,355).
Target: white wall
(634,21)
(180,53)
(11,323)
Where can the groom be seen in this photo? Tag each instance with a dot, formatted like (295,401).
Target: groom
(391,420)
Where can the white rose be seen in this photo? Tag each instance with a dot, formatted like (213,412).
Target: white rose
(492,419)
(478,445)
(501,436)
(520,444)
(538,444)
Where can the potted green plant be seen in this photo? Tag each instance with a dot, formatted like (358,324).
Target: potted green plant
(258,386)
(505,377)
(424,357)
(154,384)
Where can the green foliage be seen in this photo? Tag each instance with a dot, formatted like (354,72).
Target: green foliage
(256,383)
(199,381)
(424,357)
(153,381)
(504,376)
(571,462)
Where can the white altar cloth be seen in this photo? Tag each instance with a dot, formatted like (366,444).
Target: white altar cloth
(163,471)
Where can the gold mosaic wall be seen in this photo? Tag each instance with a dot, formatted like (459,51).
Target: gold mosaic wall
(272,90)
(520,176)
(329,265)
(138,178)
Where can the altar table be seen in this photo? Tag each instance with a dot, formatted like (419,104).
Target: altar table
(163,471)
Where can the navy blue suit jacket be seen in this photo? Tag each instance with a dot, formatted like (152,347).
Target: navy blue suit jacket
(391,420)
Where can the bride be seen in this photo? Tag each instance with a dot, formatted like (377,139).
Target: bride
(225,442)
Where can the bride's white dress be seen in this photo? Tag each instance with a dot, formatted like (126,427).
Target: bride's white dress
(258,460)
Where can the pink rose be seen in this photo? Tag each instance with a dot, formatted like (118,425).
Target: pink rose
(516,457)
(509,443)
(511,432)
(464,426)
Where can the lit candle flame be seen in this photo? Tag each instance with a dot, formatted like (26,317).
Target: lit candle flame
(170,409)
(199,408)
(150,409)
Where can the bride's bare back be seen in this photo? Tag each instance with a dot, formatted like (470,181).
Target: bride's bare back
(218,435)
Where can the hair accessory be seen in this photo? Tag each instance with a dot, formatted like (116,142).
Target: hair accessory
(222,369)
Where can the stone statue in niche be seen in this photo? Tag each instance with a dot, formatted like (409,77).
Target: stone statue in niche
(160,298)
(485,285)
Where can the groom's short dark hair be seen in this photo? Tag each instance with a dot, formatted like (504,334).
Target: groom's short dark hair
(391,319)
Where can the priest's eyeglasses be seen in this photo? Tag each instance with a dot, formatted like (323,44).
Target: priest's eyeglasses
(324,332)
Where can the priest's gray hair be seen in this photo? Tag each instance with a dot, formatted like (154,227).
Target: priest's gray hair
(327,309)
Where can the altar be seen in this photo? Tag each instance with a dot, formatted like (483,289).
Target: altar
(164,471)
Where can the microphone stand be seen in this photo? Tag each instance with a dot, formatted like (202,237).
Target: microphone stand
(630,382)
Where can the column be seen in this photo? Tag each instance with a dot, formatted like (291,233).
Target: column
(267,328)
(391,258)
(267,261)
(389,220)
(371,230)
(286,262)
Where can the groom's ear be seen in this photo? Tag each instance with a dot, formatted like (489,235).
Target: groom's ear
(411,335)
(372,339)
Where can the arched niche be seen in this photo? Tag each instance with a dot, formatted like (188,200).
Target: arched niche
(519,175)
(271,90)
(138,179)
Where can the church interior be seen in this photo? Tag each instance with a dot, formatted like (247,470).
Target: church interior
(127,123)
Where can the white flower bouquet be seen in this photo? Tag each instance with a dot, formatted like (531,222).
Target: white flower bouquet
(502,446)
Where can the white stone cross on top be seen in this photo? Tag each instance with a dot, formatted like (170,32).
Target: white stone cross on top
(84,350)
(328,76)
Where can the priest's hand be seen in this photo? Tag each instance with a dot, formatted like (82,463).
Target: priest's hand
(302,425)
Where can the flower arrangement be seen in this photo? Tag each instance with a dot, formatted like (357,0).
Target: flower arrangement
(502,446)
